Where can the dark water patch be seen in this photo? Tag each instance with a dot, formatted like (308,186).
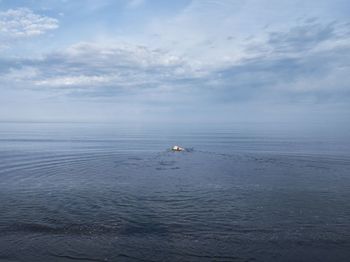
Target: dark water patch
(213,257)
(6,259)
(115,258)
(70,229)
(74,258)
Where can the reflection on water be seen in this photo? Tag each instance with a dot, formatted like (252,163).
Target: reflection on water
(107,193)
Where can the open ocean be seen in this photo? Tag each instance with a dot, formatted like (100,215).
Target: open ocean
(104,192)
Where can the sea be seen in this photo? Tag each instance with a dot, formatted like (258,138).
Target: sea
(116,192)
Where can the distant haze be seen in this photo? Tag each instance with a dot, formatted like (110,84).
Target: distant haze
(200,61)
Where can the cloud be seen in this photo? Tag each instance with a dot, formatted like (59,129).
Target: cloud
(316,77)
(22,23)
(94,69)
(308,62)
(301,38)
(219,31)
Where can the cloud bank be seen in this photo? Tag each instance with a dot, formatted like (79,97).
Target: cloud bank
(201,63)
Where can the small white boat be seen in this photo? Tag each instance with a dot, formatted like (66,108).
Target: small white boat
(177,148)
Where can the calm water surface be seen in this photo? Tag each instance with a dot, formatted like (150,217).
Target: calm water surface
(93,192)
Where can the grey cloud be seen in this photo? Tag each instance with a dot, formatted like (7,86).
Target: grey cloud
(301,38)
(320,75)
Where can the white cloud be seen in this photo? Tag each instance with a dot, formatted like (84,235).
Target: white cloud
(65,81)
(22,22)
(93,66)
(139,56)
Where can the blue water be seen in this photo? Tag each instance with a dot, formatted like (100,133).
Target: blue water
(109,192)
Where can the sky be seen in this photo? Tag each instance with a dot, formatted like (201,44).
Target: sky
(184,61)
